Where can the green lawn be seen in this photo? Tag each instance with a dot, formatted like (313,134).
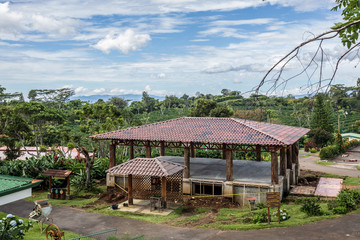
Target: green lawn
(325,163)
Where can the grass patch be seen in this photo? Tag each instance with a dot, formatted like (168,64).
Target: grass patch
(353,181)
(358,167)
(324,163)
(234,219)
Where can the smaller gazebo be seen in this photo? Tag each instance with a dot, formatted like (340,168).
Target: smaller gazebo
(150,177)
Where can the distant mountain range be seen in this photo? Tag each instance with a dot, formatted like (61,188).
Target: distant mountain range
(95,98)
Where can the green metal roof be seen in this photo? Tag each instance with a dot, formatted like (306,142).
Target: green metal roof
(353,135)
(11,184)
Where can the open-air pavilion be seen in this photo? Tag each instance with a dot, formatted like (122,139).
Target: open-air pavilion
(226,175)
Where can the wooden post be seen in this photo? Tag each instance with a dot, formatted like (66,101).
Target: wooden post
(289,157)
(112,154)
(148,150)
(50,184)
(229,166)
(68,185)
(162,148)
(283,162)
(293,154)
(130,195)
(274,168)
(131,151)
(296,159)
(192,151)
(224,151)
(258,153)
(163,191)
(187,162)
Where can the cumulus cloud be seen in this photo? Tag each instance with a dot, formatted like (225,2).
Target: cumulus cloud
(125,42)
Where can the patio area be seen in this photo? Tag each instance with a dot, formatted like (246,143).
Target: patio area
(144,206)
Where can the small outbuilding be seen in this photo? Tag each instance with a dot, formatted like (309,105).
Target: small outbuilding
(150,177)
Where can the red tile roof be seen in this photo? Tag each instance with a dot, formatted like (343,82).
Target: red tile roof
(211,130)
(147,167)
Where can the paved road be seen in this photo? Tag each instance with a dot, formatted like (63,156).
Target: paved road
(81,222)
(309,163)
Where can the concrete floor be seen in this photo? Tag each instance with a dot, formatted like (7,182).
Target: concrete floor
(215,169)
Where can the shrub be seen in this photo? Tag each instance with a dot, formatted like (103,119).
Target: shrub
(284,215)
(329,152)
(332,204)
(311,207)
(13,228)
(339,210)
(348,199)
(309,145)
(313,150)
(260,217)
(260,205)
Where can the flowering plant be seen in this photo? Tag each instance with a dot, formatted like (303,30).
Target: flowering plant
(13,228)
(283,214)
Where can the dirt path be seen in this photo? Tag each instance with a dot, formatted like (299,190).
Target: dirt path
(309,163)
(79,221)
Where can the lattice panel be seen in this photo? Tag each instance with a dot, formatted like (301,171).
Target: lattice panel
(145,187)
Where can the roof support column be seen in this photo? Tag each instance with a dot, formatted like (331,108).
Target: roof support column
(163,191)
(283,162)
(295,160)
(224,151)
(130,194)
(258,153)
(112,155)
(131,151)
(229,166)
(187,162)
(192,151)
(162,148)
(274,168)
(289,156)
(148,150)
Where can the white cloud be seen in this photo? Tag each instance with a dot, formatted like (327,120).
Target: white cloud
(161,75)
(125,42)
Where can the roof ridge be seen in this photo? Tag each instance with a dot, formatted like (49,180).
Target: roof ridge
(256,129)
(141,126)
(161,166)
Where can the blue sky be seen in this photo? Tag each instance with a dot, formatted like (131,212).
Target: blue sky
(161,46)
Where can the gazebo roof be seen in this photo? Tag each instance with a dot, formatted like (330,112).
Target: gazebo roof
(210,130)
(147,167)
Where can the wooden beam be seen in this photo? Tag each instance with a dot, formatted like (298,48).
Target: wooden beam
(283,162)
(274,168)
(163,191)
(131,152)
(258,153)
(148,150)
(229,166)
(192,151)
(289,157)
(112,154)
(130,193)
(162,148)
(187,162)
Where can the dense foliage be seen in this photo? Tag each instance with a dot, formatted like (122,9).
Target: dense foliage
(50,119)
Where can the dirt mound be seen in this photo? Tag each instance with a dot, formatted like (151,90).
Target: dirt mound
(112,196)
(211,202)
